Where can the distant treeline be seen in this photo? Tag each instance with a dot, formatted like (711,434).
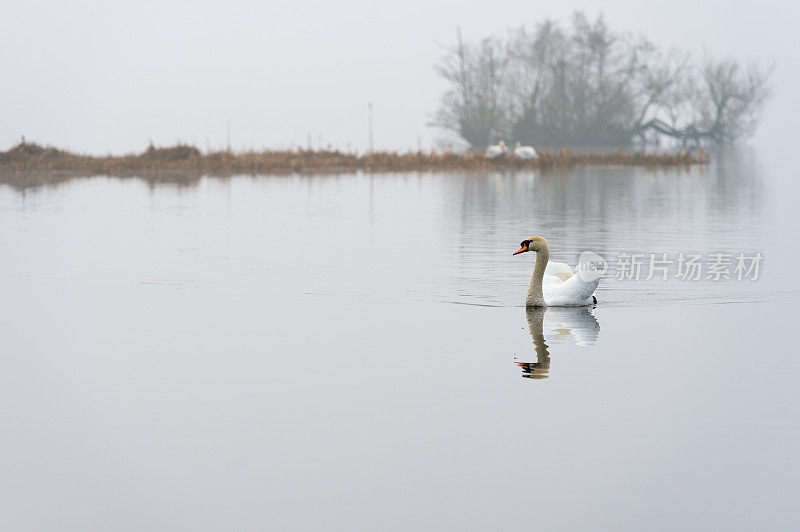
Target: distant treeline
(586,85)
(29,158)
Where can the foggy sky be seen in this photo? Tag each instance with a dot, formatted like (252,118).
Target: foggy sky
(100,76)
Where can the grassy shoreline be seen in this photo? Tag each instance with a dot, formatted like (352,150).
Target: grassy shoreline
(28,158)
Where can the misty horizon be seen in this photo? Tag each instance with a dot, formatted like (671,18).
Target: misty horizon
(109,79)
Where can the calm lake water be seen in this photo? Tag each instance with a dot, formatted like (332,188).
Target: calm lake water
(351,353)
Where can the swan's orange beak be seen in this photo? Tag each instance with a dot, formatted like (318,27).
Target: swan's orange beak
(523,249)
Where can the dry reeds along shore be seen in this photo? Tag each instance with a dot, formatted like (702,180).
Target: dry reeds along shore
(29,157)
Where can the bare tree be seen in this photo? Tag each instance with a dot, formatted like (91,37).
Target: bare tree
(589,85)
(584,88)
(720,102)
(474,106)
(731,99)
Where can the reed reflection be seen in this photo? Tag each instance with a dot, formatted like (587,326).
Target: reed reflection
(558,325)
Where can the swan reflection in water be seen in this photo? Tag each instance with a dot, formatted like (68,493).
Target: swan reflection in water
(557,325)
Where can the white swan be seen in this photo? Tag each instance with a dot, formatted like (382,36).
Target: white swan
(525,153)
(496,151)
(555,284)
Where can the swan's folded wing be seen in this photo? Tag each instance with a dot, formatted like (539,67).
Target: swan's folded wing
(559,269)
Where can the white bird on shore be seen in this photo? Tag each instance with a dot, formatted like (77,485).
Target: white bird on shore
(525,153)
(495,151)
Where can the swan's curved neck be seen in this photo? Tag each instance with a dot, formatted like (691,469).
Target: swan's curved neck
(535,298)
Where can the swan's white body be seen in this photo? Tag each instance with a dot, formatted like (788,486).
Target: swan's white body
(563,287)
(555,284)
(525,153)
(496,151)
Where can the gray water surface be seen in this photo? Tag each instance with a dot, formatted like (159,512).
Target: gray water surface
(351,353)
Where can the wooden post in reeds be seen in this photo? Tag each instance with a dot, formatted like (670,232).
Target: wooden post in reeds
(228,135)
(371,147)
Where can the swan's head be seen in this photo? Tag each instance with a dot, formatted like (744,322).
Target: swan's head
(517,144)
(501,144)
(534,243)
